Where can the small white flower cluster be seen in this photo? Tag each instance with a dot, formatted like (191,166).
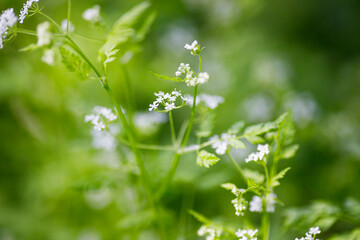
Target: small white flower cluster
(194,48)
(246,234)
(239,202)
(100,117)
(221,145)
(105,139)
(64,26)
(25,10)
(49,57)
(92,14)
(190,78)
(311,234)
(167,100)
(7,19)
(256,204)
(210,101)
(213,232)
(259,155)
(148,122)
(43,34)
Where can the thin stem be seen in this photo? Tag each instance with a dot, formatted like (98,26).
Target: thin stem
(265,219)
(129,93)
(68,17)
(173,135)
(52,21)
(143,173)
(147,146)
(237,166)
(25,31)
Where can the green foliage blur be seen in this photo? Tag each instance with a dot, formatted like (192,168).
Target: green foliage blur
(265,57)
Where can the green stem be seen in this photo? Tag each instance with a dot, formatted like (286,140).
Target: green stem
(265,219)
(143,173)
(25,31)
(52,21)
(68,17)
(237,166)
(129,93)
(173,135)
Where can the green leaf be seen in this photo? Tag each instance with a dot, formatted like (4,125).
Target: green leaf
(228,186)
(254,175)
(74,63)
(122,30)
(254,187)
(206,159)
(145,28)
(236,127)
(254,139)
(289,152)
(352,206)
(31,47)
(236,143)
(280,175)
(207,125)
(163,77)
(353,235)
(201,218)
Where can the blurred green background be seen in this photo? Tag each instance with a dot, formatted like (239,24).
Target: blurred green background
(265,57)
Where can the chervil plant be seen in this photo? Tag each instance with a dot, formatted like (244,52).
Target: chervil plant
(273,141)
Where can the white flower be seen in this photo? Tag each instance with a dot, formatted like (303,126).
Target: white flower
(103,140)
(100,117)
(239,205)
(203,78)
(314,230)
(246,234)
(183,69)
(262,151)
(92,14)
(194,48)
(167,100)
(221,145)
(7,19)
(148,122)
(212,232)
(64,26)
(43,34)
(211,101)
(49,57)
(25,10)
(256,204)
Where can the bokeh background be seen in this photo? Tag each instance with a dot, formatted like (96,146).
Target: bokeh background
(265,57)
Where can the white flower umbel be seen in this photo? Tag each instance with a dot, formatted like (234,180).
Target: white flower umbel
(192,81)
(194,48)
(256,204)
(100,117)
(203,78)
(182,69)
(239,205)
(7,20)
(64,26)
(48,57)
(311,234)
(212,232)
(43,34)
(246,234)
(167,100)
(92,14)
(259,155)
(221,145)
(25,10)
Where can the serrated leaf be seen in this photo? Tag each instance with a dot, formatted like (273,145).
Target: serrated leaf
(236,127)
(164,77)
(254,187)
(206,159)
(74,63)
(289,152)
(277,177)
(236,143)
(207,125)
